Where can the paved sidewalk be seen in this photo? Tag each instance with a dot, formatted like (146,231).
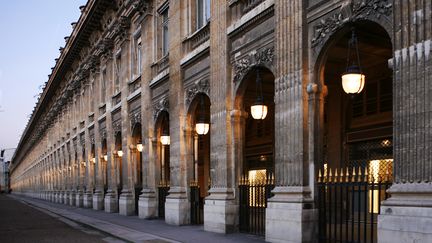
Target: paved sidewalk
(131,228)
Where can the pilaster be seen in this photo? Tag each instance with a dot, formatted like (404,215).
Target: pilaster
(290,214)
(407,215)
(221,208)
(177,204)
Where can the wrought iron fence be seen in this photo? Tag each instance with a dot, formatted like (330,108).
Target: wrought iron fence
(349,203)
(253,203)
(196,204)
(163,189)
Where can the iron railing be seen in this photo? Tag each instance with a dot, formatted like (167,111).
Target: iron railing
(253,203)
(349,203)
(163,189)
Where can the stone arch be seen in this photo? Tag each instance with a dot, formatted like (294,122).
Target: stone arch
(351,12)
(258,58)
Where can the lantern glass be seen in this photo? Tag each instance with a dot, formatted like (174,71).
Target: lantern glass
(120,153)
(353,81)
(105,157)
(202,128)
(259,111)
(165,140)
(139,147)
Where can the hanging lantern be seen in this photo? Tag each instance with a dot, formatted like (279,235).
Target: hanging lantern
(105,157)
(353,79)
(259,109)
(139,147)
(165,137)
(165,140)
(202,126)
(120,153)
(93,160)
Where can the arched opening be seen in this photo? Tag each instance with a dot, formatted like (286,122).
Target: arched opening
(137,159)
(118,162)
(163,150)
(199,118)
(93,165)
(105,164)
(357,159)
(82,171)
(257,138)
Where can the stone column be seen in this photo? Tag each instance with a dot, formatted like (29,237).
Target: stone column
(406,215)
(88,181)
(73,162)
(220,208)
(147,204)
(177,204)
(111,197)
(126,201)
(98,196)
(80,171)
(290,216)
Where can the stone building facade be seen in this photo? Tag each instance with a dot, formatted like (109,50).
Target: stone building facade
(134,71)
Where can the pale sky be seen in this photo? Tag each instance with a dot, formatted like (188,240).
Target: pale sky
(31,32)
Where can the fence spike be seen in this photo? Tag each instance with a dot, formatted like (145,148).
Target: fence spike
(347,175)
(353,174)
(330,175)
(359,178)
(342,175)
(272,179)
(366,175)
(319,175)
(336,175)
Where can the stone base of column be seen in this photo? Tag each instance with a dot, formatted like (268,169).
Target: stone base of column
(407,215)
(111,202)
(126,203)
(56,197)
(72,197)
(290,216)
(98,200)
(177,207)
(220,211)
(147,204)
(88,199)
(61,197)
(79,199)
(66,197)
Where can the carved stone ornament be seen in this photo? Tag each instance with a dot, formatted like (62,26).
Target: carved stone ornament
(117,126)
(351,10)
(159,107)
(143,7)
(92,138)
(102,133)
(82,140)
(201,86)
(135,117)
(262,57)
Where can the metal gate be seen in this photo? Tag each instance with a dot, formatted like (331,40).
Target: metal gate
(163,189)
(253,203)
(349,203)
(196,204)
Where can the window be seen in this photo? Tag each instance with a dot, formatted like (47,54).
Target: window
(165,34)
(203,12)
(117,74)
(103,86)
(138,56)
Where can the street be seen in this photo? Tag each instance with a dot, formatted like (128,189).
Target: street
(22,223)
